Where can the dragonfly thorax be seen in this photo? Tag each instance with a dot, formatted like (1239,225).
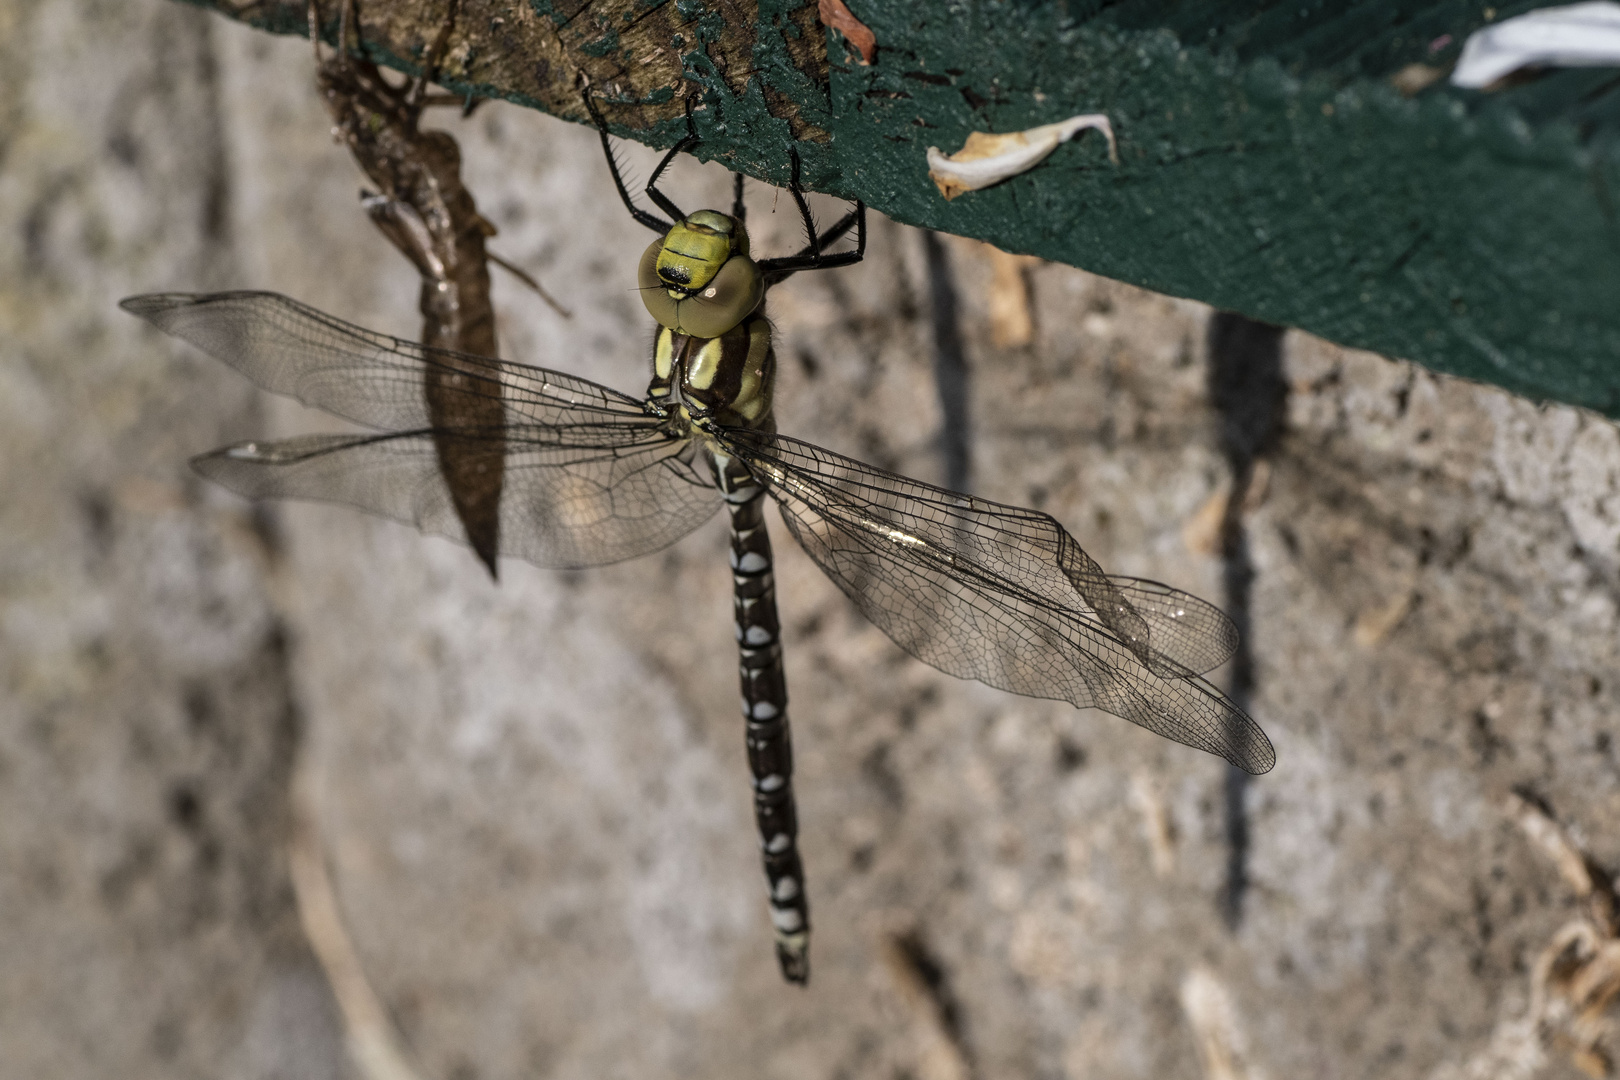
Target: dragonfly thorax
(728,378)
(698,279)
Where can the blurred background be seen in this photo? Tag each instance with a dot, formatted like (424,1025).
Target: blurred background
(529,801)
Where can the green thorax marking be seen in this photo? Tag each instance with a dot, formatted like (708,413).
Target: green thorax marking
(727,378)
(698,280)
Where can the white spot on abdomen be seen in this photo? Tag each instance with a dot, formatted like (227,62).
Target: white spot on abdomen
(787,920)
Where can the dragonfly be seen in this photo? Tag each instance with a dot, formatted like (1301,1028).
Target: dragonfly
(591,476)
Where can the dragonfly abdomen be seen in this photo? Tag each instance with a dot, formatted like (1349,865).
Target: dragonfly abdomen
(764,701)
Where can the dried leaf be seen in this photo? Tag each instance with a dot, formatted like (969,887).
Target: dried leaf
(1375,624)
(373,1042)
(987,159)
(1576,35)
(833,13)
(1012,322)
(1413,79)
(1210,1011)
(1202,532)
(1156,824)
(939,1056)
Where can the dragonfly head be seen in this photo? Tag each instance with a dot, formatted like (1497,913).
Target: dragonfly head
(698,280)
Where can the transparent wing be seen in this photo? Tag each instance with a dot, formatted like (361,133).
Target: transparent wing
(1006,596)
(541,465)
(565,505)
(372,379)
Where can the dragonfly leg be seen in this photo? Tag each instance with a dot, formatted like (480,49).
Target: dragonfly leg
(764,699)
(645,217)
(660,199)
(416,89)
(686,142)
(855,218)
(813,256)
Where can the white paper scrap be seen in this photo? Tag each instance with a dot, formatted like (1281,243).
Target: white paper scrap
(987,159)
(1575,35)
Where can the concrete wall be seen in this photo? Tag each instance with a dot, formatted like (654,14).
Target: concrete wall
(532,796)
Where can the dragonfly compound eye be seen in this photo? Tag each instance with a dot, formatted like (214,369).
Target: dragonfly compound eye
(728,293)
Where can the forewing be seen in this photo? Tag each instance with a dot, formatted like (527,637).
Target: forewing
(370,378)
(566,504)
(1006,596)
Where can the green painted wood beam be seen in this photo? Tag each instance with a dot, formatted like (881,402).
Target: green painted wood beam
(1268,163)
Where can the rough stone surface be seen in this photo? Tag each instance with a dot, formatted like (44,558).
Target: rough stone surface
(146,719)
(533,794)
